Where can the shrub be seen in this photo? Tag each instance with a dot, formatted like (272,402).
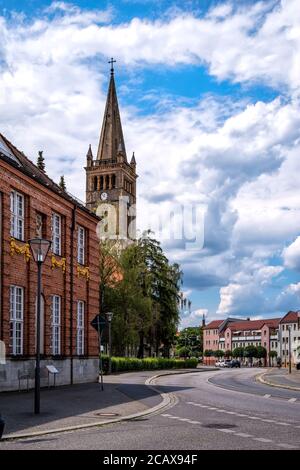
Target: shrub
(122,364)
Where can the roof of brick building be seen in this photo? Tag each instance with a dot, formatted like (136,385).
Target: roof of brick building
(18,160)
(290,317)
(253,324)
(213,324)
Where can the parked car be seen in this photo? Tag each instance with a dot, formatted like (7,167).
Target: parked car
(227,363)
(235,363)
(220,363)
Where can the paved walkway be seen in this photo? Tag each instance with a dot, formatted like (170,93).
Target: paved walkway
(81,404)
(282,378)
(76,405)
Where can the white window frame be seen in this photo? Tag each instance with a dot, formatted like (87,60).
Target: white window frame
(17,215)
(56,234)
(56,325)
(80,328)
(81,245)
(16,320)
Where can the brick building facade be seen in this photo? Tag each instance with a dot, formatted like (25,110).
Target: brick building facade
(32,205)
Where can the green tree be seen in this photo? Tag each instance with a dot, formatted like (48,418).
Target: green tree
(184,351)
(62,183)
(144,296)
(238,352)
(191,337)
(250,352)
(40,163)
(228,353)
(261,352)
(219,353)
(208,352)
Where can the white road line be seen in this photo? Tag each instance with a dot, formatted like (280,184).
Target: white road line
(243,434)
(242,415)
(292,400)
(262,439)
(267,395)
(226,430)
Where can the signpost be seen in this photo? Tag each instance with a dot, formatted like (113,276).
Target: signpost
(99,323)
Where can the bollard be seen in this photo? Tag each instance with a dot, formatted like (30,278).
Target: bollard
(2,424)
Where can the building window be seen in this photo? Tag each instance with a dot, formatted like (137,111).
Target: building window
(295,326)
(56,324)
(56,234)
(16,319)
(81,245)
(282,327)
(17,209)
(80,328)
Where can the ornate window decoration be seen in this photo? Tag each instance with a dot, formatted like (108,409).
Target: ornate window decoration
(83,271)
(55,263)
(20,249)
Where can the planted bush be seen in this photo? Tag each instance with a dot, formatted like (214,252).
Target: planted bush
(122,364)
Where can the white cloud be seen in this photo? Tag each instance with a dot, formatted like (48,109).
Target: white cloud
(291,255)
(193,319)
(289,298)
(237,159)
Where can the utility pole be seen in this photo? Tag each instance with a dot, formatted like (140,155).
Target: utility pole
(290,350)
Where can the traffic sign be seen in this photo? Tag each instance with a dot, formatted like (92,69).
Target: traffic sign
(99,323)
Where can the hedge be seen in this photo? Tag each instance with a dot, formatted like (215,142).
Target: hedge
(120,364)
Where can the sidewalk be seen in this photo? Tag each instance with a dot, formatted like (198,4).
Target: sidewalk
(281,378)
(83,405)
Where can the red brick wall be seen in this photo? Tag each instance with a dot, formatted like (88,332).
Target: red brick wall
(16,271)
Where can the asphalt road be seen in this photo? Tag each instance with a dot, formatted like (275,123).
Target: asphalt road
(233,412)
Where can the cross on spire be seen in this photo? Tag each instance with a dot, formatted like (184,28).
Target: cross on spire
(111,62)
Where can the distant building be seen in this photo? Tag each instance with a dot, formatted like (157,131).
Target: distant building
(291,321)
(271,333)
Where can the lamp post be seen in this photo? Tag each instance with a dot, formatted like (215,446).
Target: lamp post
(290,350)
(39,248)
(109,316)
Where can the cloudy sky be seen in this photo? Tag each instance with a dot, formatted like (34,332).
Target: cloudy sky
(210,102)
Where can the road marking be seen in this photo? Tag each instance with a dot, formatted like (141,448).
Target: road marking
(240,434)
(292,400)
(262,439)
(267,395)
(226,430)
(242,415)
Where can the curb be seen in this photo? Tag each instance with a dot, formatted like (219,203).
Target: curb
(260,378)
(168,400)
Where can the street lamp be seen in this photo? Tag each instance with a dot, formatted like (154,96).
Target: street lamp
(109,316)
(39,248)
(290,350)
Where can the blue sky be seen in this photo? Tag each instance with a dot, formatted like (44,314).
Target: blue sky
(209,97)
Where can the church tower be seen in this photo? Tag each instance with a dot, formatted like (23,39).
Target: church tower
(109,177)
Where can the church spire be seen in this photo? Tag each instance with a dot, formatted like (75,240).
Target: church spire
(111,139)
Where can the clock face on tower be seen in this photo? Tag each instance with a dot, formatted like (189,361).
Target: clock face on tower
(103,196)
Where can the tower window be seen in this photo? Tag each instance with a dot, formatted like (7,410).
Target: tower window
(95,183)
(113,181)
(101,183)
